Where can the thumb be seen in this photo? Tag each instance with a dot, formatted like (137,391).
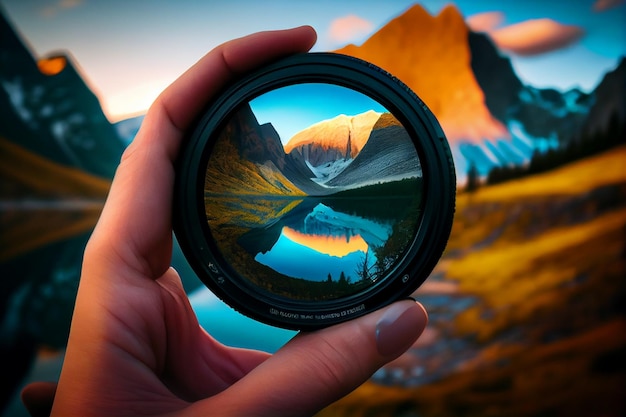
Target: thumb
(315,369)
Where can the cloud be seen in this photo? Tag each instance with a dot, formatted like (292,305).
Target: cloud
(349,28)
(485,22)
(54,9)
(534,37)
(68,4)
(603,5)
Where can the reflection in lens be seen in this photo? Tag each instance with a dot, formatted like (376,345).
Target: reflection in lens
(312,191)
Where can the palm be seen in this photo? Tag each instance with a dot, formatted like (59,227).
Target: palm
(163,359)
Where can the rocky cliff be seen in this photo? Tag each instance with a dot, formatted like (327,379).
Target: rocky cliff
(431,55)
(340,137)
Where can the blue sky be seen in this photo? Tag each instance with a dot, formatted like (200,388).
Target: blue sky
(298,261)
(294,108)
(129,50)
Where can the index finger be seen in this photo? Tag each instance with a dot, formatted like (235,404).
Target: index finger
(135,226)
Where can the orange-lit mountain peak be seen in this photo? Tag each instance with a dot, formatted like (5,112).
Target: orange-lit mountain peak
(450,12)
(52,65)
(431,55)
(329,245)
(334,133)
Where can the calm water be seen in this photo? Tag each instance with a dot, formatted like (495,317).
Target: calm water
(234,329)
(325,243)
(344,243)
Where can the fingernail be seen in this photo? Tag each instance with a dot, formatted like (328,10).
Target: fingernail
(399,327)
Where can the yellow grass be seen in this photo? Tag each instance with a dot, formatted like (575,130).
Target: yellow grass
(546,377)
(573,179)
(41,180)
(44,177)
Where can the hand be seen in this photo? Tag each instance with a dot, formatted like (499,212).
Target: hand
(135,345)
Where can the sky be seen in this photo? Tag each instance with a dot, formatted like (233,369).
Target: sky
(317,265)
(293,108)
(130,50)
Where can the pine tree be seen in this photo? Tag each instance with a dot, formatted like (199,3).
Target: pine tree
(473,179)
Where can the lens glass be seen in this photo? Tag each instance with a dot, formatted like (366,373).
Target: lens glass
(313,192)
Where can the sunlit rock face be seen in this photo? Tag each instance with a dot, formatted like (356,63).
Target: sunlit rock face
(490,117)
(341,137)
(432,56)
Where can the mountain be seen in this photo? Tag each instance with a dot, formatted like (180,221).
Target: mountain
(489,115)
(388,155)
(249,158)
(543,113)
(431,55)
(58,153)
(494,74)
(329,140)
(52,111)
(540,118)
(609,101)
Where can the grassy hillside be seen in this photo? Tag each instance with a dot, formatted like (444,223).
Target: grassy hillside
(39,178)
(229,174)
(43,202)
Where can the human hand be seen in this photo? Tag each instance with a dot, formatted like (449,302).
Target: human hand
(135,345)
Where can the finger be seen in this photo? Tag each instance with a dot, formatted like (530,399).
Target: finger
(136,221)
(38,397)
(197,365)
(316,369)
(210,368)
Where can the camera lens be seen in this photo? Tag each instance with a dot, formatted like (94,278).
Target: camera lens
(313,191)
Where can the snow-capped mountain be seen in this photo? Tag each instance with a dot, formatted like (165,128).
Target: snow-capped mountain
(249,158)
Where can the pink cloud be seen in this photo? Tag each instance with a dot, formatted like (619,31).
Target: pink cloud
(53,9)
(347,29)
(603,5)
(537,36)
(485,22)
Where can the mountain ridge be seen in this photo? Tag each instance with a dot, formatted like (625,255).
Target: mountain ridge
(388,155)
(438,70)
(490,117)
(254,152)
(345,135)
(249,159)
(53,111)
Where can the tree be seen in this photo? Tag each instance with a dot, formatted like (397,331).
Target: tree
(363,269)
(473,179)
(343,281)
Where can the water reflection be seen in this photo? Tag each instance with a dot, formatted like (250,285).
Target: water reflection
(327,245)
(322,248)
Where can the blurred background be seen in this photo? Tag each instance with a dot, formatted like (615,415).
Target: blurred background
(528,304)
